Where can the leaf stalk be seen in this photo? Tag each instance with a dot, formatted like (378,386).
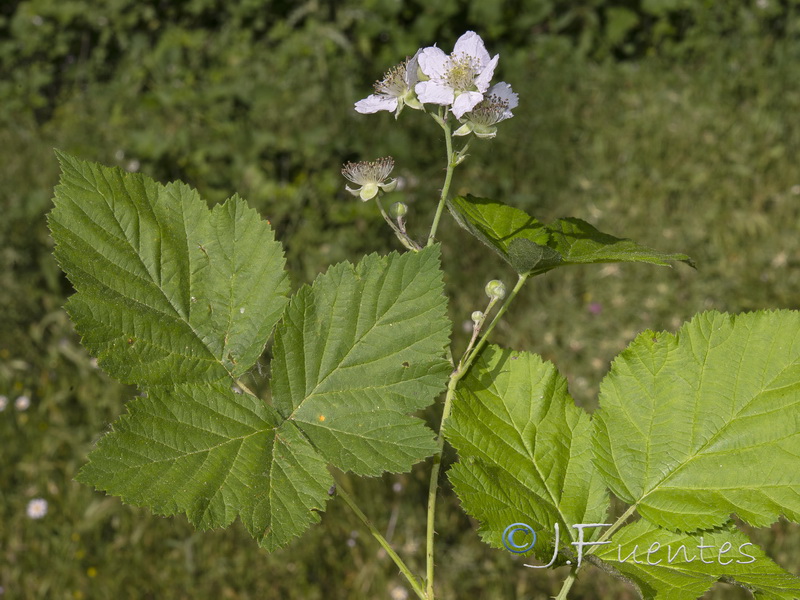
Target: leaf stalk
(416,585)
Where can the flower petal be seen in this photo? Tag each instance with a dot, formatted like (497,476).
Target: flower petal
(471,44)
(465,102)
(433,92)
(433,62)
(482,80)
(503,91)
(412,77)
(374,103)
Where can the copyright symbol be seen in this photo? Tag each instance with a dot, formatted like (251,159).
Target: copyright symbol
(509,542)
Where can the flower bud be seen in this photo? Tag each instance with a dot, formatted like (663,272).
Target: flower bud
(478,316)
(496,289)
(397,210)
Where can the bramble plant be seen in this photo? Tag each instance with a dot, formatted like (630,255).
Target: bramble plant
(693,429)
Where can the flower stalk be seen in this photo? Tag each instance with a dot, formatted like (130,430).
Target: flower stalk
(463,367)
(459,83)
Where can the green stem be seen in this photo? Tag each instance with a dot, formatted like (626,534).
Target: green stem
(433,485)
(463,365)
(617,524)
(455,377)
(451,165)
(562,594)
(401,235)
(479,325)
(415,583)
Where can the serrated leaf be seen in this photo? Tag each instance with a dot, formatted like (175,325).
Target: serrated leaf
(168,291)
(357,352)
(524,451)
(665,565)
(180,300)
(532,248)
(212,454)
(695,426)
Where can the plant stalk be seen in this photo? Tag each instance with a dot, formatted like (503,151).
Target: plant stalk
(451,165)
(455,377)
(562,595)
(573,573)
(401,235)
(415,583)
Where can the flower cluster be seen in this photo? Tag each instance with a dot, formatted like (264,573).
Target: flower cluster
(459,81)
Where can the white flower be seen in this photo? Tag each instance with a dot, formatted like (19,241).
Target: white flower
(394,91)
(371,176)
(460,79)
(22,403)
(399,593)
(3,403)
(37,508)
(495,107)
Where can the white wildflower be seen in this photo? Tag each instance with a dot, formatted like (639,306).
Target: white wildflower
(398,593)
(460,79)
(3,403)
(395,90)
(37,508)
(22,403)
(495,107)
(371,176)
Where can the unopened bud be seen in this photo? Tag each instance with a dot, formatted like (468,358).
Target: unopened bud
(477,316)
(496,289)
(397,210)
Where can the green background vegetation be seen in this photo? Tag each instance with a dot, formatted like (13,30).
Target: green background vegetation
(673,122)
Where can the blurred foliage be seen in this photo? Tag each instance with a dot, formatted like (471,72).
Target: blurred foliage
(673,122)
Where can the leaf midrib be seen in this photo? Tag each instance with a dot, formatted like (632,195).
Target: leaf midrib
(699,451)
(379,321)
(129,242)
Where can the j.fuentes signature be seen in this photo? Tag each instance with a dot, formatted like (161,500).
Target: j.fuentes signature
(520,538)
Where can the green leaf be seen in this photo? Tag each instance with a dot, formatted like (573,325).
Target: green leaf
(525,451)
(359,350)
(531,247)
(519,239)
(581,244)
(180,300)
(212,454)
(168,291)
(695,426)
(642,551)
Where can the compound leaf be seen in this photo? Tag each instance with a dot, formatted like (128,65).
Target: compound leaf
(665,565)
(524,451)
(532,247)
(695,426)
(181,300)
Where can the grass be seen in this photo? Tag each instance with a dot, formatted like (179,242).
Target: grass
(695,154)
